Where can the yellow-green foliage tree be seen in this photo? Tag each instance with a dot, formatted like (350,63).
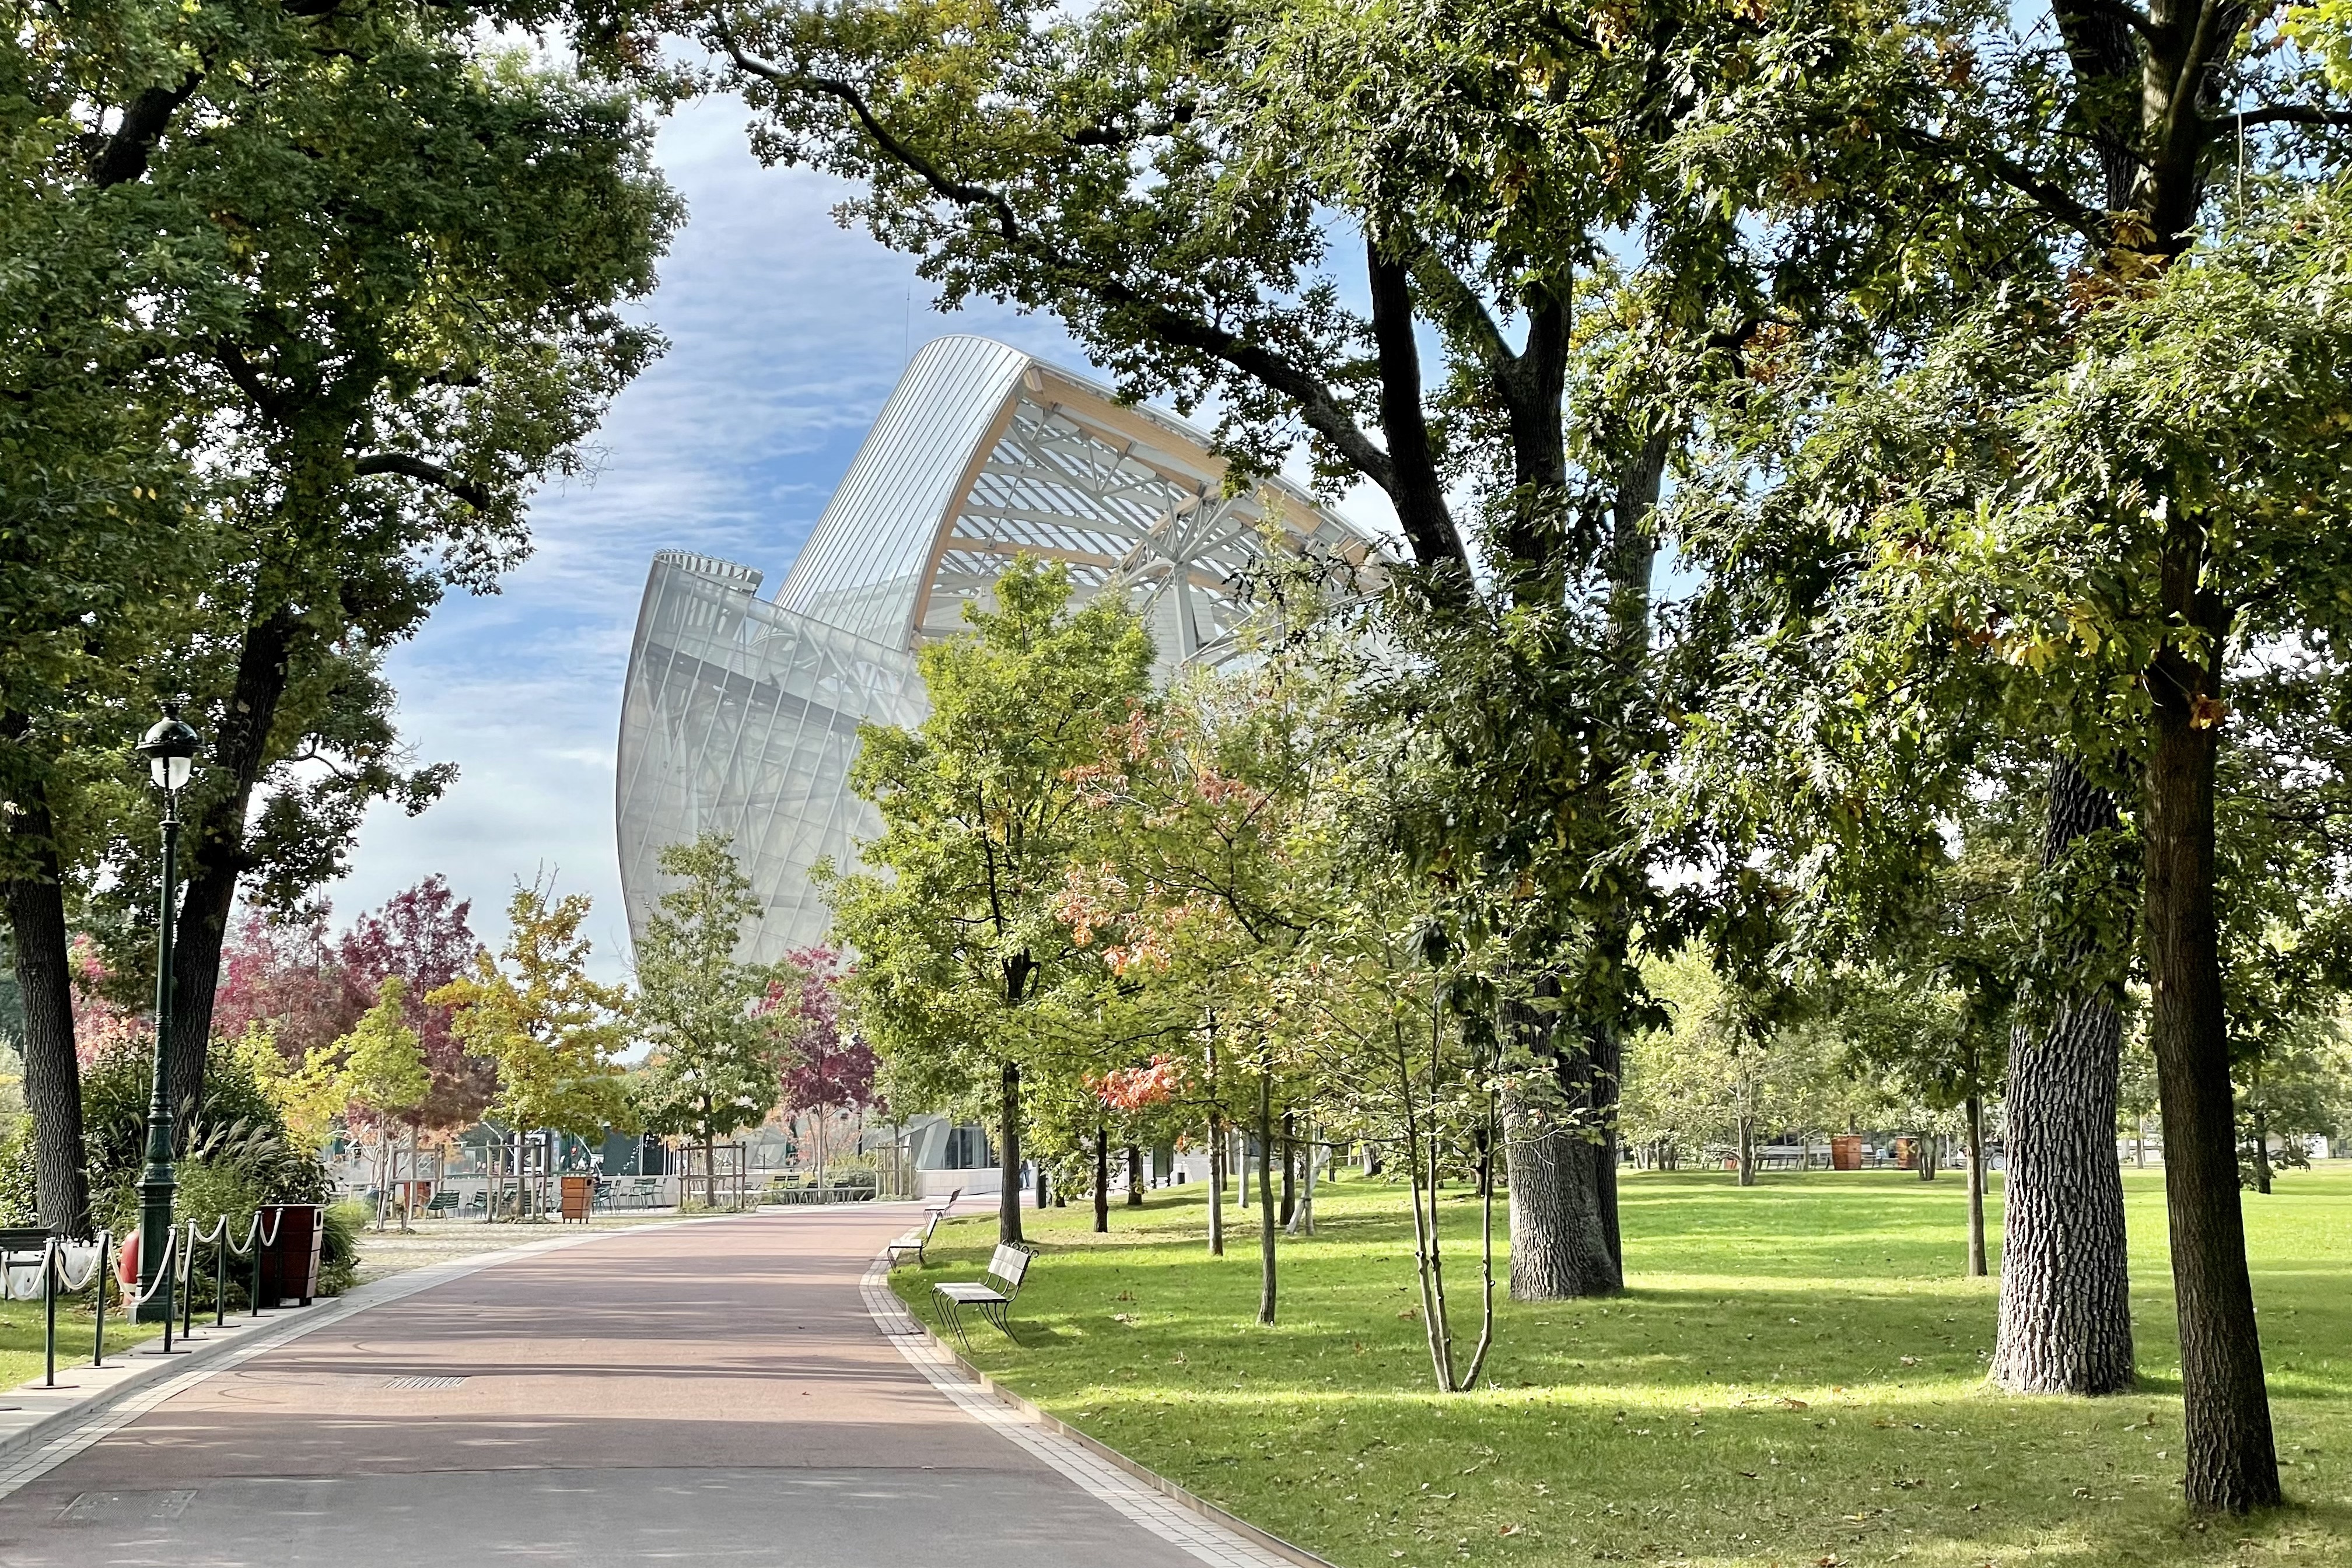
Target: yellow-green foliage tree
(554,1033)
(309,1096)
(382,1078)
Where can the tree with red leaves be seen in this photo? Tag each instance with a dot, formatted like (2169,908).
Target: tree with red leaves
(830,1073)
(286,976)
(422,936)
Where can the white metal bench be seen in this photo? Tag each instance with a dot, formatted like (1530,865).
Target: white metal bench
(992,1292)
(915,1240)
(941,1205)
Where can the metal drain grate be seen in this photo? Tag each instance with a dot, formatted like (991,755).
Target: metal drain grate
(422,1382)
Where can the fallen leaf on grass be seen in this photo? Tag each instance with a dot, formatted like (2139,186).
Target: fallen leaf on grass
(1794,1404)
(1512,1530)
(1910,1360)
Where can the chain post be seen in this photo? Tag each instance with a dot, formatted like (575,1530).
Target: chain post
(50,1262)
(98,1341)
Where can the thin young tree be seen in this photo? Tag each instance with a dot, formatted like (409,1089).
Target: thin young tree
(719,1048)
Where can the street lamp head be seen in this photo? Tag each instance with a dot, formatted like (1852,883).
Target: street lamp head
(170,749)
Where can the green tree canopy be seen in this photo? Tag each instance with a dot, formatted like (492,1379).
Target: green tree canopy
(961,956)
(719,1049)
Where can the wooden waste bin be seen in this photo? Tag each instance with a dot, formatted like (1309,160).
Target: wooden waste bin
(289,1264)
(579,1194)
(1845,1151)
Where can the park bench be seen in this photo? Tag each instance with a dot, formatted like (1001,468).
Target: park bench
(22,1249)
(915,1240)
(992,1292)
(445,1202)
(941,1205)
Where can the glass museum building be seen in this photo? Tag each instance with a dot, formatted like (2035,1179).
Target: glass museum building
(741,713)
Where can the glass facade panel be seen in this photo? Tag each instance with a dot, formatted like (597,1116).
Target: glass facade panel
(740,714)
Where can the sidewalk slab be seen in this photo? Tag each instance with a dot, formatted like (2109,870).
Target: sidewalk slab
(50,1426)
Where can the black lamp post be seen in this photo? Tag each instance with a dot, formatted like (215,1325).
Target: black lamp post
(170,749)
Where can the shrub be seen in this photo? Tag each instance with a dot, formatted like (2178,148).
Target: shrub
(233,1126)
(339,1253)
(19,1197)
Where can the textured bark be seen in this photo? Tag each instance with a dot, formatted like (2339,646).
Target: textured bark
(1135,1175)
(1008,1157)
(1931,1155)
(2233,1457)
(2262,1151)
(1560,1160)
(1744,1156)
(216,854)
(1216,1188)
(2065,1287)
(1265,1282)
(1102,1180)
(35,908)
(1414,486)
(1976,1187)
(1289,1165)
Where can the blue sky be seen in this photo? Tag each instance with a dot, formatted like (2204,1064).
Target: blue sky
(786,335)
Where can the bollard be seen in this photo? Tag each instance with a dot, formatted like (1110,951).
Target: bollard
(50,1263)
(254,1236)
(220,1274)
(164,1281)
(188,1277)
(98,1343)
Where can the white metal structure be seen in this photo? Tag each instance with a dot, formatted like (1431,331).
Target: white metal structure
(740,714)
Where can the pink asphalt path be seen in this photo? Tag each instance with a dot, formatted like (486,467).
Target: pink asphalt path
(705,1392)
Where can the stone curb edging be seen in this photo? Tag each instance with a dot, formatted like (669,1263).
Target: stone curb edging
(52,1437)
(884,1305)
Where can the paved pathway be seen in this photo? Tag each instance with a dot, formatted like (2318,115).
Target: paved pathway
(710,1393)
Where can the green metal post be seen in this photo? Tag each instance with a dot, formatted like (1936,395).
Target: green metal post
(50,1312)
(98,1341)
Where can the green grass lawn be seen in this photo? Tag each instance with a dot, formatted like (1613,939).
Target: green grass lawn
(1794,1377)
(21,1334)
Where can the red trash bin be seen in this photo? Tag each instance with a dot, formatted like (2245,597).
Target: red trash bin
(290,1263)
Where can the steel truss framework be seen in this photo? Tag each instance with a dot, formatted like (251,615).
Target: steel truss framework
(740,714)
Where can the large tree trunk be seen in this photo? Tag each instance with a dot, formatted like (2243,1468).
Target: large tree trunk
(216,853)
(2232,1460)
(1745,1157)
(1289,1165)
(2066,1286)
(1562,1166)
(1216,1187)
(1102,1180)
(1264,1198)
(2261,1150)
(1135,1175)
(1931,1155)
(1008,1157)
(37,924)
(1976,1187)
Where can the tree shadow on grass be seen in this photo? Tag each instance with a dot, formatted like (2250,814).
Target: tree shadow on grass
(1731,1406)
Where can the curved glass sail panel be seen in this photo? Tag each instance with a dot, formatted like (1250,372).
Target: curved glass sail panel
(741,718)
(740,714)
